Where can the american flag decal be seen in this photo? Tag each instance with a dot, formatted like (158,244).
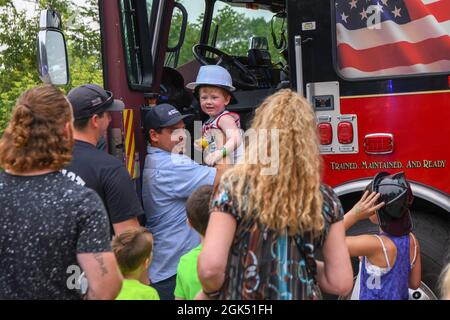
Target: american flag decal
(392,37)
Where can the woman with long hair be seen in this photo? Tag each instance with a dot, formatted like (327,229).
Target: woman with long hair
(265,227)
(50,226)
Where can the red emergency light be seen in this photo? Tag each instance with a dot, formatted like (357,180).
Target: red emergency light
(325,133)
(379,143)
(345,132)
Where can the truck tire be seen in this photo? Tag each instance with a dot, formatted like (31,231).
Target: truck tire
(433,234)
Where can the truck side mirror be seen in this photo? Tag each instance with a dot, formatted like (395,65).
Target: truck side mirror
(53,64)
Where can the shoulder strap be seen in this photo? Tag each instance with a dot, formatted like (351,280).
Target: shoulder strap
(384,251)
(413,262)
(234,115)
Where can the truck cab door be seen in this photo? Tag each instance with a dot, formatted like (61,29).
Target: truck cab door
(134,37)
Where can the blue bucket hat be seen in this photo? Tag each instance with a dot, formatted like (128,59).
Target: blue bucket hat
(215,76)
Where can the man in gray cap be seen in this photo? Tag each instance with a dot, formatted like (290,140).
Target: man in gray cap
(169,178)
(97,169)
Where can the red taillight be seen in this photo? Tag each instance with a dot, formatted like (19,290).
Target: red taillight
(325,133)
(345,132)
(379,143)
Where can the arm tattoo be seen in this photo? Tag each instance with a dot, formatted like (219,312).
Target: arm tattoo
(99,258)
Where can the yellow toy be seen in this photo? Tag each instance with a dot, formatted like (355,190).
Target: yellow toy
(204,143)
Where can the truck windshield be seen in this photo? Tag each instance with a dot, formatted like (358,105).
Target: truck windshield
(231,30)
(237,25)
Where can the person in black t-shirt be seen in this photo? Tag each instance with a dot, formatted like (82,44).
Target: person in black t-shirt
(49,225)
(97,169)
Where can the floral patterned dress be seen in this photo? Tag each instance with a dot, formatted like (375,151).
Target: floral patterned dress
(266,264)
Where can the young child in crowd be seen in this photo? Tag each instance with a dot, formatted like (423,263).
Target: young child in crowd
(133,249)
(197,208)
(391,259)
(213,88)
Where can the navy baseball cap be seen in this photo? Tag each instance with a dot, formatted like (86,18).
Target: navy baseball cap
(163,115)
(90,99)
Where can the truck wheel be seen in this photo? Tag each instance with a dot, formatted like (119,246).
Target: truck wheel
(433,232)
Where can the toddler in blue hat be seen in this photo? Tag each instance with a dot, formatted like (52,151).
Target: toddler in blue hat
(213,87)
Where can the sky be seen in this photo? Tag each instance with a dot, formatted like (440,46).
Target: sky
(196,7)
(193,7)
(28,5)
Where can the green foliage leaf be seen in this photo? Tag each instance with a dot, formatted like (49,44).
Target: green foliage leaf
(18,66)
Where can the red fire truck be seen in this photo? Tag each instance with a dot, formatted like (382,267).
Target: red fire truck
(375,72)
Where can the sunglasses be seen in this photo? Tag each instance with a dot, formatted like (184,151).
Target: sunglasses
(98,104)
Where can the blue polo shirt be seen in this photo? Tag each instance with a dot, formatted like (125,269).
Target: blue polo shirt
(168,180)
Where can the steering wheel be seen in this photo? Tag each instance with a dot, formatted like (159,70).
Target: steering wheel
(241,75)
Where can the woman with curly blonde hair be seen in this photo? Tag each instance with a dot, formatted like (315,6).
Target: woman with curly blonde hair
(444,283)
(264,228)
(49,224)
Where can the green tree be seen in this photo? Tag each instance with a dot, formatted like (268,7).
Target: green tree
(18,68)
(17,59)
